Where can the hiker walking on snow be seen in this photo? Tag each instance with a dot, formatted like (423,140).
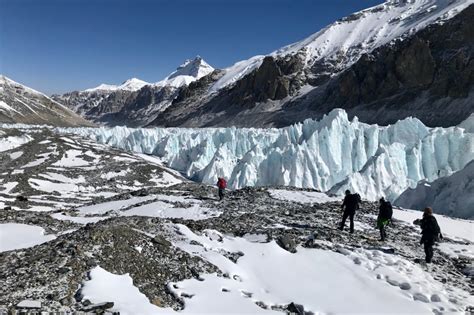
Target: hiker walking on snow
(350,205)
(222,185)
(430,232)
(384,217)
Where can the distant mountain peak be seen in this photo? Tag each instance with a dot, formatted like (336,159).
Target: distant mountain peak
(132,84)
(196,68)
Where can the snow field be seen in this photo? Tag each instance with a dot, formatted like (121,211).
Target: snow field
(323,281)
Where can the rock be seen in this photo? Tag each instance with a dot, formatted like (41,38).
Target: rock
(97,308)
(7,208)
(293,308)
(287,243)
(21,198)
(162,243)
(139,193)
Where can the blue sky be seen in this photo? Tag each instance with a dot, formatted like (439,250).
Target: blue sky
(62,45)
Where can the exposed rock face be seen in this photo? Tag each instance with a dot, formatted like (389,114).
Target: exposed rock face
(430,75)
(21,104)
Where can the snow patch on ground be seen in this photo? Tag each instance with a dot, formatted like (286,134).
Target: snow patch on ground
(128,300)
(17,236)
(323,281)
(301,196)
(10,143)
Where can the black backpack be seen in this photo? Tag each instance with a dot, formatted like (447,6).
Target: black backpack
(387,210)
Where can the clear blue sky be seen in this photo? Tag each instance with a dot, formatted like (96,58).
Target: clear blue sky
(62,45)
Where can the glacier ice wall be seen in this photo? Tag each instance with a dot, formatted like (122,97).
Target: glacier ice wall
(452,195)
(332,154)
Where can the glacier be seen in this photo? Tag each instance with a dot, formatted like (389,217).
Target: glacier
(452,195)
(330,155)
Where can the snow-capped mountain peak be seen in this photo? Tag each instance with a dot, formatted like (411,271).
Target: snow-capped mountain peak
(132,84)
(196,68)
(189,71)
(343,42)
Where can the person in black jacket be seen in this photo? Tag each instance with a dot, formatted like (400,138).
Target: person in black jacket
(349,205)
(430,232)
(384,217)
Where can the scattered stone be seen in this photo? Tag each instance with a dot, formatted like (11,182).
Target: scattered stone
(21,198)
(287,243)
(293,308)
(97,308)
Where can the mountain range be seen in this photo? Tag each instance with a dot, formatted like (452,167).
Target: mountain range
(382,64)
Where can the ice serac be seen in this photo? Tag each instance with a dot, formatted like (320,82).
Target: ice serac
(452,195)
(332,154)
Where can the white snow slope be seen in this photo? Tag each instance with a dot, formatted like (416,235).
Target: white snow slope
(332,154)
(343,42)
(452,195)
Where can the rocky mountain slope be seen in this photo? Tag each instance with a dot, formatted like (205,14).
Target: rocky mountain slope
(21,104)
(398,59)
(134,102)
(121,239)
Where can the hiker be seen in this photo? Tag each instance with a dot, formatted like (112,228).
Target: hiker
(430,232)
(350,205)
(222,185)
(384,217)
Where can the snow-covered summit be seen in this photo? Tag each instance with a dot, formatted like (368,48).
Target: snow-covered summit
(344,41)
(132,84)
(196,67)
(189,71)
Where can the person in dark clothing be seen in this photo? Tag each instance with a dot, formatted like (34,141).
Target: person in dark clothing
(384,217)
(430,232)
(349,206)
(221,185)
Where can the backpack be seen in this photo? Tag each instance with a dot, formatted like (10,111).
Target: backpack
(386,210)
(221,183)
(353,202)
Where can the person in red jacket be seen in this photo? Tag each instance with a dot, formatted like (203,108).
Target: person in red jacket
(222,185)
